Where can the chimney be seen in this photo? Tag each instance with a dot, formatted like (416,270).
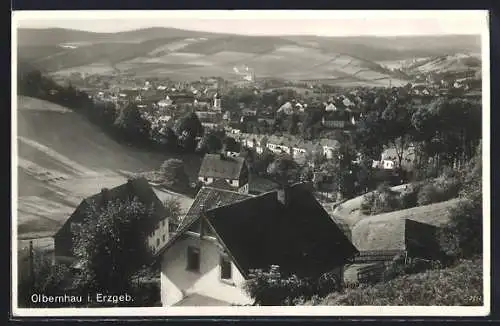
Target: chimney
(284,194)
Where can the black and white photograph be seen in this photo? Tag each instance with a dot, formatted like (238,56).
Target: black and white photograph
(210,163)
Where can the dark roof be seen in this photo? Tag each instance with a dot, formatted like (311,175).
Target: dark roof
(299,237)
(223,167)
(135,188)
(223,184)
(208,198)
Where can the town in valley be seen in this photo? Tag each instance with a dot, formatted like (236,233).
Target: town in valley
(173,167)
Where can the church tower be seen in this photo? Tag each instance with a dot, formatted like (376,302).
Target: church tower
(217,101)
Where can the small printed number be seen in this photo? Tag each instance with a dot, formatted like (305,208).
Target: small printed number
(475,298)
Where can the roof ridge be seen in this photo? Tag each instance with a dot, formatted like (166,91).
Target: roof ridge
(225,190)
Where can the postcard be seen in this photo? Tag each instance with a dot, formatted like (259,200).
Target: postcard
(264,163)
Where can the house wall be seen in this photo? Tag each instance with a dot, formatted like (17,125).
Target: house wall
(176,281)
(244,189)
(328,152)
(206,181)
(159,237)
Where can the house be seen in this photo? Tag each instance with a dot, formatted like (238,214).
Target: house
(287,108)
(249,112)
(335,119)
(254,141)
(166,102)
(158,229)
(329,147)
(405,234)
(212,255)
(233,170)
(411,231)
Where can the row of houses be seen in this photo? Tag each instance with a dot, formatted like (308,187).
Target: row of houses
(293,146)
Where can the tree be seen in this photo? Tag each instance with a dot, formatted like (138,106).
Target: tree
(174,174)
(209,143)
(463,236)
(231,144)
(261,161)
(367,135)
(396,127)
(284,169)
(342,169)
(169,138)
(188,128)
(293,120)
(173,208)
(111,245)
(131,122)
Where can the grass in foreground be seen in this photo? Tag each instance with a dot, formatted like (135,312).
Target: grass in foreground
(460,285)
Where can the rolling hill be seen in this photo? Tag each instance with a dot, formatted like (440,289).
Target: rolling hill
(457,62)
(62,159)
(182,54)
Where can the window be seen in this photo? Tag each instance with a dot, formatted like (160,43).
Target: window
(163,238)
(157,242)
(225,268)
(193,259)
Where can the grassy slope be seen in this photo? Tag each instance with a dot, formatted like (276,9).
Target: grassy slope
(62,159)
(349,211)
(460,285)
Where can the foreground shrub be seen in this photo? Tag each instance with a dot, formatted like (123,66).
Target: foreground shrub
(463,236)
(429,194)
(409,197)
(382,200)
(45,278)
(399,268)
(272,288)
(461,285)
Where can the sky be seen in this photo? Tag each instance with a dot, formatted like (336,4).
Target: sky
(312,22)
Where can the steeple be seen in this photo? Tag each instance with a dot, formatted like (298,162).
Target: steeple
(217,101)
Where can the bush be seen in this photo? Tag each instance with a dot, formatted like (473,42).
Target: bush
(382,200)
(48,279)
(409,197)
(461,285)
(272,288)
(428,194)
(413,266)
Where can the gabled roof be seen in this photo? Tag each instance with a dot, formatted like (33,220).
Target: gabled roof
(223,185)
(388,231)
(135,188)
(299,237)
(221,166)
(208,198)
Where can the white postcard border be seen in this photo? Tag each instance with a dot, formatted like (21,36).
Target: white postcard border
(357,311)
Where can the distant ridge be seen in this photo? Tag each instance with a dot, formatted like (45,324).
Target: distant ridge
(185,54)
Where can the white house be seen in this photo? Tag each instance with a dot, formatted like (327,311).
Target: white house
(227,234)
(195,269)
(329,147)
